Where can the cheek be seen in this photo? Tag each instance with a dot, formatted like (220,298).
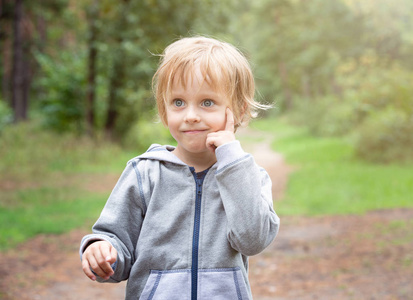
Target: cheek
(172,124)
(220,122)
(170,117)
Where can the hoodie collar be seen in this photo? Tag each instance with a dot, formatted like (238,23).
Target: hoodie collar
(162,153)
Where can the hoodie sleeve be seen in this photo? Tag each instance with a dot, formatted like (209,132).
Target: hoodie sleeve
(120,221)
(245,190)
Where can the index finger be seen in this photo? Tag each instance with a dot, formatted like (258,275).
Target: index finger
(229,126)
(108,257)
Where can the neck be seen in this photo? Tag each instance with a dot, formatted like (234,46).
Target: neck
(199,161)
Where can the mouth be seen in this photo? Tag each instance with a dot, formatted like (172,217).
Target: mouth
(194,131)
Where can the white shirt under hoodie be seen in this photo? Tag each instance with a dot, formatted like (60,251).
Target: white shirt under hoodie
(185,235)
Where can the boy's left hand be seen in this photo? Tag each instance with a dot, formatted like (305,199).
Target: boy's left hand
(219,138)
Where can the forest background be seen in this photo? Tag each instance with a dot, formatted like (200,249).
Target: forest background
(338,67)
(76,88)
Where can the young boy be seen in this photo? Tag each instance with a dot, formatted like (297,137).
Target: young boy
(182,221)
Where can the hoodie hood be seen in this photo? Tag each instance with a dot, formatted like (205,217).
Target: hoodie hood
(161,153)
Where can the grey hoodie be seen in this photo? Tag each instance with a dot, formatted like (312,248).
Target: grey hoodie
(186,235)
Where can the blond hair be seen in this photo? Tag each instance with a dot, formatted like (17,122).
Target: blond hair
(222,65)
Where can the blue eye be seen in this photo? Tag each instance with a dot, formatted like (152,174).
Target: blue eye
(178,102)
(208,103)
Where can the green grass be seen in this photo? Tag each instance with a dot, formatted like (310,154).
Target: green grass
(47,210)
(328,179)
(41,175)
(30,152)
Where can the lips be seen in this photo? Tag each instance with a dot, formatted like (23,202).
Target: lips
(194,131)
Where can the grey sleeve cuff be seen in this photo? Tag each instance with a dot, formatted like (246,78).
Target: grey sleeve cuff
(229,153)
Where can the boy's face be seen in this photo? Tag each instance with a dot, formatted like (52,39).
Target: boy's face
(193,112)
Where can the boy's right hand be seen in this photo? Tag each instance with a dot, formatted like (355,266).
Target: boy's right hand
(99,257)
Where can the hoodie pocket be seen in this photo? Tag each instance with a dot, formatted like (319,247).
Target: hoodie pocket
(221,284)
(213,284)
(168,285)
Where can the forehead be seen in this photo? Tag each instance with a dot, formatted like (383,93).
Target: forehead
(191,77)
(196,77)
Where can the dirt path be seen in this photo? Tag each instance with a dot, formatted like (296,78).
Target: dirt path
(334,257)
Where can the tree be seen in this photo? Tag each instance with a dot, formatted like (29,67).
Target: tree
(93,17)
(19,77)
(114,41)
(299,44)
(6,17)
(134,30)
(24,26)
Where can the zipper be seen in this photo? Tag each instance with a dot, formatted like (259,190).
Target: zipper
(199,180)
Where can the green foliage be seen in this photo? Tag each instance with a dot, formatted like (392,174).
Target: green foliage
(339,69)
(299,44)
(143,134)
(386,136)
(386,99)
(63,91)
(327,179)
(327,116)
(376,109)
(128,33)
(338,66)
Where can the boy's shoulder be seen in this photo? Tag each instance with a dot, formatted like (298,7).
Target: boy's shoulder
(157,152)
(158,147)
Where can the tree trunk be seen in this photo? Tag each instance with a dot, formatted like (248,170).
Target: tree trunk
(116,83)
(6,59)
(284,85)
(92,57)
(27,81)
(117,78)
(18,77)
(5,49)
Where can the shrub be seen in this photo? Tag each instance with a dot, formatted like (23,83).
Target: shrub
(386,136)
(144,133)
(386,133)
(328,116)
(63,86)
(376,107)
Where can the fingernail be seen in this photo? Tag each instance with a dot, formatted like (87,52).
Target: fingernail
(93,278)
(108,258)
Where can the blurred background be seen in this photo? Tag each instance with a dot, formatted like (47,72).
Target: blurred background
(76,101)
(338,67)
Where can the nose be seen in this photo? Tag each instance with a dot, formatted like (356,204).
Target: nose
(191,115)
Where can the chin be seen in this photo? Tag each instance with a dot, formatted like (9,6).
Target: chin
(196,148)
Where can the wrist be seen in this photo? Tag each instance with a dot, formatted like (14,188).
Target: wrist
(229,153)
